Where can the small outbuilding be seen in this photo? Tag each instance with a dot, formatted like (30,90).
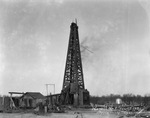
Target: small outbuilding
(31,99)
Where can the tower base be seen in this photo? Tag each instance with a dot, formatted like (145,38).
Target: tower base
(84,97)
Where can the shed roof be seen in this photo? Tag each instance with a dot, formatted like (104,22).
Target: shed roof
(35,95)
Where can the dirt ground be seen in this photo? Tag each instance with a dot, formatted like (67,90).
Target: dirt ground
(69,114)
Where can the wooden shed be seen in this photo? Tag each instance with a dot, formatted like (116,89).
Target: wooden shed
(31,99)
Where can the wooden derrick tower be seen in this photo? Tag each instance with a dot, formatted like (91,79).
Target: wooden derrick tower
(73,89)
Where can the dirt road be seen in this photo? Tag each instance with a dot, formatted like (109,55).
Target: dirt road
(62,115)
(69,114)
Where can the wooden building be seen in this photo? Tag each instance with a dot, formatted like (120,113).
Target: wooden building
(31,99)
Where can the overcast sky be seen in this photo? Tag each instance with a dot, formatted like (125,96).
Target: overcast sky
(34,37)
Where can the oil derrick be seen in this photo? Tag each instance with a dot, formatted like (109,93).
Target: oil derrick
(73,89)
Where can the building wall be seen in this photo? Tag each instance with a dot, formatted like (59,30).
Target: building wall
(28,101)
(1,103)
(4,103)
